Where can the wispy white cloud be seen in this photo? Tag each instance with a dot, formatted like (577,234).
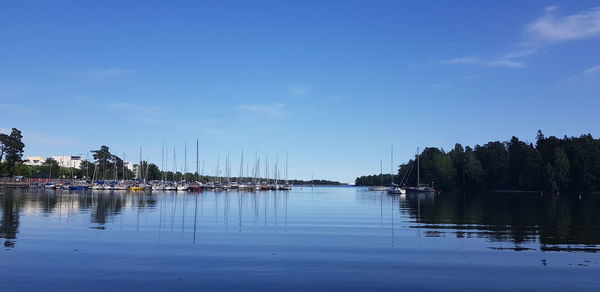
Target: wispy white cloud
(553,28)
(299,89)
(587,73)
(592,70)
(544,31)
(489,62)
(272,109)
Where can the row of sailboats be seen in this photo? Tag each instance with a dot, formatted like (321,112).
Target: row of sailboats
(223,179)
(182,181)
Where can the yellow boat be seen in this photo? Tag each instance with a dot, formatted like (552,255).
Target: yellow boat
(136,188)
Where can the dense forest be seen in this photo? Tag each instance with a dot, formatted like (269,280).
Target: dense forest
(552,164)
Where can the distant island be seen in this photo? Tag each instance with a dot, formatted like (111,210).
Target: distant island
(552,164)
(317,182)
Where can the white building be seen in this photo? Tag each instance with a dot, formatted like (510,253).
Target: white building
(34,160)
(131,166)
(69,160)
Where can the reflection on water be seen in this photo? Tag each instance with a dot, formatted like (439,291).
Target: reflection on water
(9,225)
(329,237)
(232,210)
(569,223)
(555,222)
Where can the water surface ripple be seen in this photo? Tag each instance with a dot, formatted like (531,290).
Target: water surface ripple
(321,238)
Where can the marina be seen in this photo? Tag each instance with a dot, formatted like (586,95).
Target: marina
(233,146)
(320,238)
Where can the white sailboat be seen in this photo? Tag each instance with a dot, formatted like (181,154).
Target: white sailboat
(419,188)
(394,189)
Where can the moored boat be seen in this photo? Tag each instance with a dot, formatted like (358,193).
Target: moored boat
(49,185)
(136,188)
(78,187)
(396,190)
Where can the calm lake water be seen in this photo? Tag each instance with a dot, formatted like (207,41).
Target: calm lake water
(322,238)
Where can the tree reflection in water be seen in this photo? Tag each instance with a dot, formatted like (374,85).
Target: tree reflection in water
(103,207)
(9,226)
(566,222)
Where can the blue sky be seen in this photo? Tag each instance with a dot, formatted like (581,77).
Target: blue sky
(334,83)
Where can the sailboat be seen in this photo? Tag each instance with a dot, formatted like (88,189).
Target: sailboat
(394,189)
(286,186)
(380,187)
(419,188)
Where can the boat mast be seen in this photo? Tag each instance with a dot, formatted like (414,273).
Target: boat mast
(87,163)
(146,173)
(267,168)
(219,176)
(139,175)
(392,166)
(197,173)
(241,167)
(381,172)
(166,162)
(123,165)
(418,168)
(275,169)
(174,164)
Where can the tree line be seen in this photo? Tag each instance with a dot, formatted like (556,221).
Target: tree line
(552,164)
(105,166)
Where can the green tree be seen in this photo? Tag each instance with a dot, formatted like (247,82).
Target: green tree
(458,161)
(4,141)
(103,158)
(567,164)
(51,167)
(525,166)
(436,167)
(472,170)
(494,161)
(13,148)
(153,173)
